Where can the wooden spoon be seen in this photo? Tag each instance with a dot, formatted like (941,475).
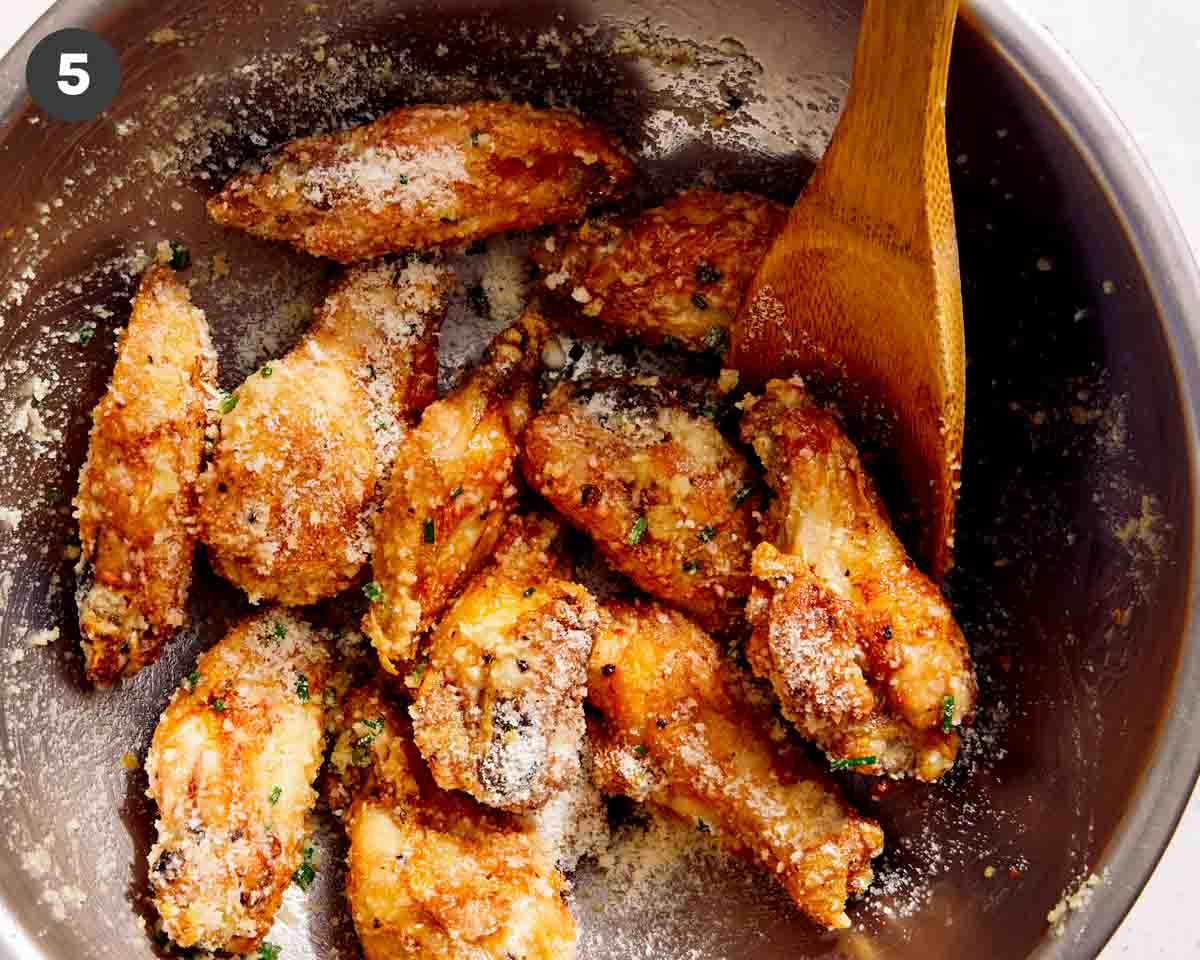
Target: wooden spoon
(860,292)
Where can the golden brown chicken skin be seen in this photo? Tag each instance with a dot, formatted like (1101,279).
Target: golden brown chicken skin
(861,648)
(453,488)
(682,730)
(669,502)
(231,768)
(672,275)
(433,875)
(424,176)
(499,713)
(306,443)
(137,491)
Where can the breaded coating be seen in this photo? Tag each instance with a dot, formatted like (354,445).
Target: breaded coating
(669,501)
(499,713)
(454,487)
(137,491)
(683,730)
(426,176)
(433,874)
(861,648)
(672,275)
(231,768)
(306,444)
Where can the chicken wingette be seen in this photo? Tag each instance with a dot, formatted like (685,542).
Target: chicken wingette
(306,444)
(423,176)
(861,648)
(137,491)
(499,712)
(682,730)
(641,468)
(231,768)
(453,488)
(674,275)
(433,875)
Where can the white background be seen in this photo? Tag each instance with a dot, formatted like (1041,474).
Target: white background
(1145,57)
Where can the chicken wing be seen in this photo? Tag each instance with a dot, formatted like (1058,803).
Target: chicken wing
(231,767)
(673,275)
(861,648)
(453,489)
(306,444)
(433,874)
(499,713)
(682,730)
(423,176)
(670,503)
(137,491)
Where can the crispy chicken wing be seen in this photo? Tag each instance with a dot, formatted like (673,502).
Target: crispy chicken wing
(675,274)
(137,491)
(860,646)
(499,713)
(667,499)
(433,874)
(307,443)
(231,767)
(683,730)
(423,176)
(453,489)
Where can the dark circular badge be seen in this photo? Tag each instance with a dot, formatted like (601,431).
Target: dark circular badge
(73,74)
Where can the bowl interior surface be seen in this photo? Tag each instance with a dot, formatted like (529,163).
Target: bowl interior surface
(1075,533)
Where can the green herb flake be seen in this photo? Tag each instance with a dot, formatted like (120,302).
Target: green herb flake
(714,339)
(456,492)
(740,497)
(947,713)
(228,402)
(329,698)
(268,951)
(361,756)
(85,334)
(375,726)
(429,531)
(690,566)
(414,677)
(219,705)
(181,256)
(273,797)
(279,631)
(193,680)
(707,534)
(700,302)
(373,591)
(702,827)
(302,690)
(266,372)
(641,750)
(403,180)
(636,531)
(306,873)
(475,137)
(845,763)
(529,592)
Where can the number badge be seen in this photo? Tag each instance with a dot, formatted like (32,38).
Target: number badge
(73,75)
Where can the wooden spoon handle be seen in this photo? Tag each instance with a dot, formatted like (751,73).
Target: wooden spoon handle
(890,147)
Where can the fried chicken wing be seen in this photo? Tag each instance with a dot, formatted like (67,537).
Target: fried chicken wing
(307,443)
(499,713)
(861,648)
(453,488)
(433,874)
(423,176)
(231,767)
(675,274)
(669,502)
(683,730)
(137,491)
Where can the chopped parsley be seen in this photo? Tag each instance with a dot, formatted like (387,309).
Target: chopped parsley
(702,827)
(302,690)
(690,566)
(429,531)
(740,497)
(641,750)
(636,531)
(268,951)
(361,756)
(700,303)
(279,630)
(193,680)
(266,372)
(714,339)
(947,713)
(414,677)
(845,763)
(219,705)
(373,591)
(371,371)
(228,402)
(529,592)
(85,334)
(375,726)
(273,797)
(403,180)
(456,492)
(706,534)
(181,256)
(706,273)
(306,873)
(475,137)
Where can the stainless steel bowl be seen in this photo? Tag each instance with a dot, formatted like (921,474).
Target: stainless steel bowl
(1078,529)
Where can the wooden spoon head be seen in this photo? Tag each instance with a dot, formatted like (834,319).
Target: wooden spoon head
(879,324)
